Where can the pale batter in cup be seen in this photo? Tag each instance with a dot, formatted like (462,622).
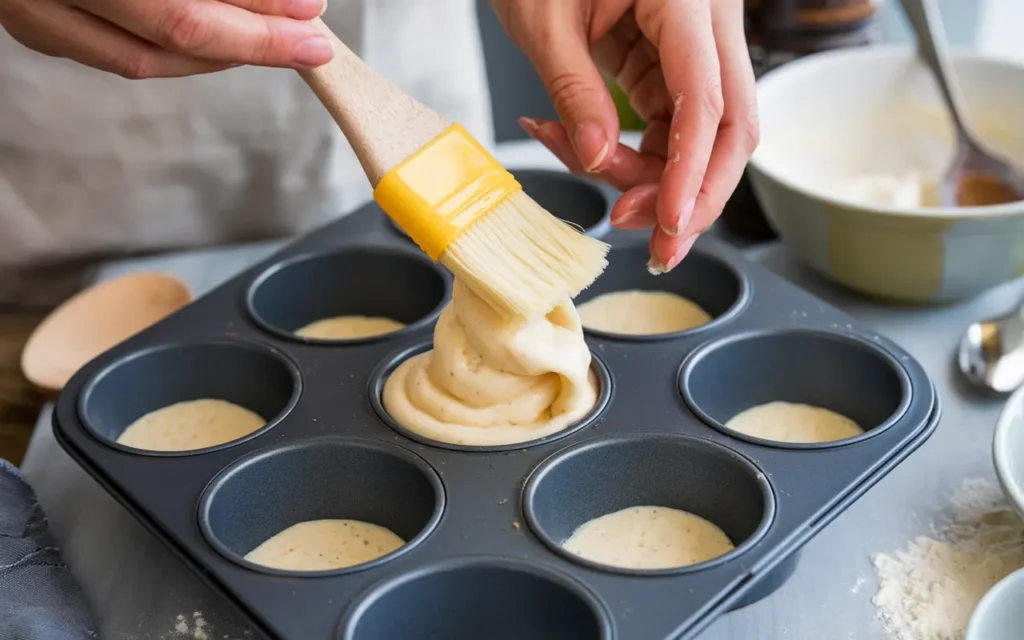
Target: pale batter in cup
(648,537)
(191,425)
(638,312)
(349,328)
(489,381)
(321,545)
(793,422)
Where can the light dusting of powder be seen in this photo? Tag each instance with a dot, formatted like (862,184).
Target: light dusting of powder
(928,590)
(192,626)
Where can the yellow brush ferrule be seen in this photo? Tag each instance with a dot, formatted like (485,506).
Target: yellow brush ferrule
(442,189)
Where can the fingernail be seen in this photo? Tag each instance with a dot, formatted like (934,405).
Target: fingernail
(313,52)
(625,217)
(530,125)
(591,145)
(303,9)
(656,267)
(684,218)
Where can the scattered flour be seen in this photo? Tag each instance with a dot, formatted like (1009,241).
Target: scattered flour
(929,590)
(195,628)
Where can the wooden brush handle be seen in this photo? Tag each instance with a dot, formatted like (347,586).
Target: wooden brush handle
(383,124)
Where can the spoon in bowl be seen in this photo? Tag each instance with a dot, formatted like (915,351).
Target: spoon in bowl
(977,177)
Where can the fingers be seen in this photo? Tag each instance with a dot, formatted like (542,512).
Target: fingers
(636,208)
(738,132)
(625,170)
(298,9)
(681,30)
(667,251)
(215,30)
(55,29)
(558,48)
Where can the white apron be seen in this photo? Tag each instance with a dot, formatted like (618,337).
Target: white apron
(93,165)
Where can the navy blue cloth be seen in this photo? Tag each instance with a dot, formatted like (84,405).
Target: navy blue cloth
(39,598)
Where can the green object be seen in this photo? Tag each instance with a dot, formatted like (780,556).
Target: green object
(628,119)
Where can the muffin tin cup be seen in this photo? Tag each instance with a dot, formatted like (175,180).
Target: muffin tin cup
(707,280)
(584,204)
(401,285)
(604,475)
(380,376)
(844,373)
(250,375)
(267,491)
(480,597)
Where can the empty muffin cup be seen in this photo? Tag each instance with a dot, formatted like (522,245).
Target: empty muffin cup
(235,374)
(815,370)
(604,476)
(472,598)
(397,290)
(331,478)
(580,202)
(715,289)
(379,378)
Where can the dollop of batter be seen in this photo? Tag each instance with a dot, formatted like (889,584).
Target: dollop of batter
(190,425)
(648,538)
(320,545)
(490,381)
(637,312)
(349,328)
(793,422)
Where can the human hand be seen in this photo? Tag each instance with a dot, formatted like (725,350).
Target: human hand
(168,38)
(685,66)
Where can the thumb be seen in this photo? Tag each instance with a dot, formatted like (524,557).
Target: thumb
(584,104)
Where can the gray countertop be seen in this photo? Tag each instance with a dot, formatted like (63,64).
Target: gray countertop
(138,588)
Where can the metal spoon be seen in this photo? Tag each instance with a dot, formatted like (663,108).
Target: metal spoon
(991,353)
(977,176)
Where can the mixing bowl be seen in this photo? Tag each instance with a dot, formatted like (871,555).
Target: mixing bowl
(1008,451)
(852,143)
(999,615)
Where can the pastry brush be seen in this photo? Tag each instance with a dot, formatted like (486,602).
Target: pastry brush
(454,199)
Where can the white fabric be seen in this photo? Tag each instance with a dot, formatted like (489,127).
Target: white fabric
(95,165)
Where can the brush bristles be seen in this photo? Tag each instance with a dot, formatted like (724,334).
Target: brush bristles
(522,260)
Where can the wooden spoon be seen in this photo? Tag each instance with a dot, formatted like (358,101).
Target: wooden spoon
(977,177)
(95,320)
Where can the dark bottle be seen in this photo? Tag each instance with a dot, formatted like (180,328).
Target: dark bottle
(782,30)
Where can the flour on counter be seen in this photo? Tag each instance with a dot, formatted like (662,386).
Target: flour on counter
(928,590)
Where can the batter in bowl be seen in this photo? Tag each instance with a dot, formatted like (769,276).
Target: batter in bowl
(793,422)
(191,425)
(489,381)
(641,313)
(321,545)
(648,538)
(349,328)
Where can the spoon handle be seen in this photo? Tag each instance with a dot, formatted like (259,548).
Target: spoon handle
(925,18)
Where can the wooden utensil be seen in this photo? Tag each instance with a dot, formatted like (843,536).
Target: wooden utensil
(95,320)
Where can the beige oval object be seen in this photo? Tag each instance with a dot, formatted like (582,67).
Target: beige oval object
(321,545)
(191,425)
(95,320)
(793,422)
(350,328)
(641,313)
(648,537)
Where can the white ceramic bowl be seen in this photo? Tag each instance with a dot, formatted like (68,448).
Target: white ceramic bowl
(1008,454)
(1000,614)
(830,117)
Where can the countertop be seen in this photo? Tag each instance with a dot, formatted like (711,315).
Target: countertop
(138,588)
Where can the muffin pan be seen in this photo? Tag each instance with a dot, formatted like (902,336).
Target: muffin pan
(483,527)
